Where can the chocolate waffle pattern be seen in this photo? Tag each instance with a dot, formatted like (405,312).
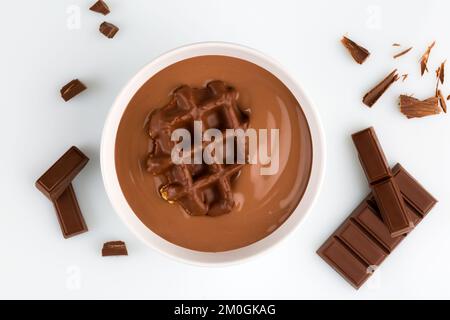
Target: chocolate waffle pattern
(200,189)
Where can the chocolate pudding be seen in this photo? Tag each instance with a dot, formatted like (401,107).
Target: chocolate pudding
(259,203)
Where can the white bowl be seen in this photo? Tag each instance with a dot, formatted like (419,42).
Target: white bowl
(121,205)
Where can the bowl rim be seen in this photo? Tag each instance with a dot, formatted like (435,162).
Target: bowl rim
(123,209)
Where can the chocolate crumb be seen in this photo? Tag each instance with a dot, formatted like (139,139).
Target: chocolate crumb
(415,108)
(404,76)
(374,94)
(108,29)
(114,248)
(402,53)
(396,44)
(442,102)
(358,53)
(424,59)
(100,7)
(72,89)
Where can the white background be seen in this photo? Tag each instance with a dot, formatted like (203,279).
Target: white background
(39,52)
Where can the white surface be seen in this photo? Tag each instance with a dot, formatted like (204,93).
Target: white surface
(119,202)
(39,54)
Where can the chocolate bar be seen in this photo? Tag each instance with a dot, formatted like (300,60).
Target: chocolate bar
(384,187)
(59,176)
(56,185)
(363,241)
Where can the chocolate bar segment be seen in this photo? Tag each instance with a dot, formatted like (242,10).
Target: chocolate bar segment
(108,29)
(344,261)
(59,176)
(114,248)
(413,192)
(69,214)
(371,155)
(72,89)
(363,241)
(392,207)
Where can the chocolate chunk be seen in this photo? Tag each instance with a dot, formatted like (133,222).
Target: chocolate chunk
(114,248)
(360,54)
(371,155)
(101,7)
(362,242)
(384,187)
(69,214)
(71,89)
(415,108)
(108,29)
(373,95)
(402,53)
(441,99)
(56,185)
(60,175)
(424,59)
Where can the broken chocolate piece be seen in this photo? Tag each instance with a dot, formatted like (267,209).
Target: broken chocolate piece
(100,7)
(402,53)
(373,95)
(108,29)
(424,59)
(71,89)
(384,188)
(69,214)
(442,102)
(358,53)
(114,248)
(60,175)
(415,108)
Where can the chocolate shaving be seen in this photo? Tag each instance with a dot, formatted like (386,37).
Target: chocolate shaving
(424,59)
(442,102)
(114,248)
(100,7)
(72,89)
(448,97)
(402,53)
(373,95)
(396,44)
(358,53)
(404,76)
(440,72)
(108,29)
(415,108)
